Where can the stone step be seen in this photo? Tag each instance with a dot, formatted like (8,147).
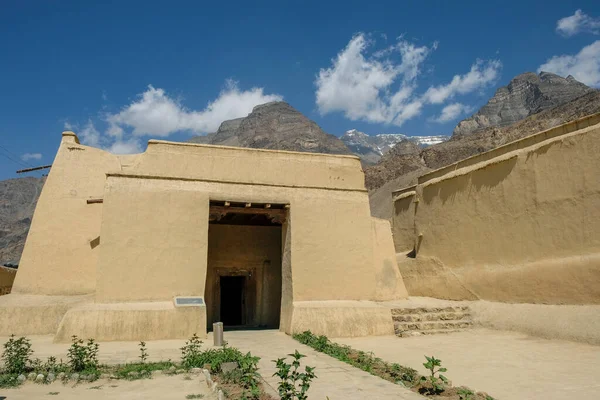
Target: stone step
(427,310)
(423,326)
(433,316)
(431,332)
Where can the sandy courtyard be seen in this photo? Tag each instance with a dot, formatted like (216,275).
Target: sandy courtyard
(507,365)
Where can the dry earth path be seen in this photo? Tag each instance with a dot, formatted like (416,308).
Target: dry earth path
(506,365)
(160,387)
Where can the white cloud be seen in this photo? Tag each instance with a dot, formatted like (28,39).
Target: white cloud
(360,86)
(376,88)
(452,112)
(31,156)
(157,114)
(583,66)
(576,23)
(481,75)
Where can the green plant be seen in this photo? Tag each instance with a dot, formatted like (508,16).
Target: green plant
(143,370)
(246,375)
(143,352)
(83,356)
(53,393)
(193,357)
(435,378)
(51,365)
(8,381)
(293,384)
(465,393)
(16,355)
(407,375)
(194,396)
(190,353)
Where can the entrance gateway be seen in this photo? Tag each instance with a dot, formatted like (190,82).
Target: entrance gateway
(243,280)
(116,242)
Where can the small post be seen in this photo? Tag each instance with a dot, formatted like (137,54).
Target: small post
(218,333)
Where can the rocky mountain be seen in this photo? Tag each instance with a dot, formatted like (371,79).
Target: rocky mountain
(396,170)
(525,95)
(370,148)
(18,198)
(277,126)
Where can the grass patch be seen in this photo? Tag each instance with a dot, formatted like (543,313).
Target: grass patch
(194,396)
(396,373)
(53,393)
(139,370)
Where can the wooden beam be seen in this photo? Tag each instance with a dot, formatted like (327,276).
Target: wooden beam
(33,169)
(95,201)
(240,210)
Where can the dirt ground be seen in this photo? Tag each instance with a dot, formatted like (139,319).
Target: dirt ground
(506,365)
(159,387)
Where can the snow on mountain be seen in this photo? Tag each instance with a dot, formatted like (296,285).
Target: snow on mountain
(371,147)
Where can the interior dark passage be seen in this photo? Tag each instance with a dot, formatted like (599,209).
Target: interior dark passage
(232,300)
(243,277)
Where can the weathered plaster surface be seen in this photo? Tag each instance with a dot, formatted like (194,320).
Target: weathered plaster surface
(521,224)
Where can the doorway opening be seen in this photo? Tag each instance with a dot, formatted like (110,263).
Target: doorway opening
(232,300)
(244,276)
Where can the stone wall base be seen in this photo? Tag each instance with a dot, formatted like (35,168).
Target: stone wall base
(132,321)
(25,314)
(342,318)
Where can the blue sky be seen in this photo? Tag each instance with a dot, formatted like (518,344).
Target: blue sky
(119,73)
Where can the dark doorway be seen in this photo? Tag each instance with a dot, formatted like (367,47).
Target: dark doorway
(232,300)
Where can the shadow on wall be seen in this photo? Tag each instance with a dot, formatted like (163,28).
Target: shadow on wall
(479,179)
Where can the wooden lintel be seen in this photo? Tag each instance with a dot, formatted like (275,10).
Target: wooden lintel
(217,210)
(95,201)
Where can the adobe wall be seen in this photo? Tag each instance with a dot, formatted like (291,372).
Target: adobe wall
(523,226)
(59,257)
(155,226)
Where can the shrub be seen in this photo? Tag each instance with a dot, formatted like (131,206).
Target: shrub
(293,384)
(404,374)
(83,356)
(190,353)
(246,375)
(435,379)
(16,355)
(9,381)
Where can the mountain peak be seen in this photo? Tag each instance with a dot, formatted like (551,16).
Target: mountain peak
(526,94)
(277,126)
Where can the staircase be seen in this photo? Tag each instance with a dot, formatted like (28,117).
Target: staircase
(430,320)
